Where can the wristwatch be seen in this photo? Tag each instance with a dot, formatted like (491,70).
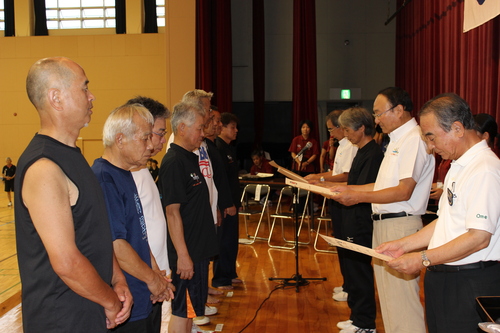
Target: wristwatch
(425,261)
(322,179)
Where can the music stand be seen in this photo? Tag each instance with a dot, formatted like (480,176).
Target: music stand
(297,280)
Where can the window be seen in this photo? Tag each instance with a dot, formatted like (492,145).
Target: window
(77,14)
(160,12)
(2,16)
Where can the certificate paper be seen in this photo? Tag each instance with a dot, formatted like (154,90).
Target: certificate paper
(356,247)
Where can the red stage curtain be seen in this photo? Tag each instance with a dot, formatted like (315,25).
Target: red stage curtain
(433,56)
(304,83)
(214,51)
(259,69)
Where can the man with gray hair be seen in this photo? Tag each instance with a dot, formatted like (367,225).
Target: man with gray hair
(154,215)
(70,279)
(463,243)
(127,145)
(191,230)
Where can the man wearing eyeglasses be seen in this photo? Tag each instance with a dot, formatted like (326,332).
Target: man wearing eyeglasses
(156,224)
(341,166)
(463,244)
(399,197)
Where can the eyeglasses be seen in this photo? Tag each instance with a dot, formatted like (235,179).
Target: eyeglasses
(380,114)
(161,135)
(332,129)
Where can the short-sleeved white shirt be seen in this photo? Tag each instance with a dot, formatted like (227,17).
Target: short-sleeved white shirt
(406,156)
(344,155)
(472,186)
(156,224)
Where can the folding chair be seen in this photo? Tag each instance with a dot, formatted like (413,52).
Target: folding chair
(254,201)
(280,214)
(323,217)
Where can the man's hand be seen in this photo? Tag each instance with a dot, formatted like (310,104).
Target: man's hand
(230,211)
(346,198)
(312,176)
(112,312)
(158,286)
(219,219)
(392,249)
(126,300)
(410,263)
(185,267)
(436,193)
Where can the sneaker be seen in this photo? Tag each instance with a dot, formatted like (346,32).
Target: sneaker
(355,329)
(337,290)
(344,324)
(210,310)
(340,297)
(200,321)
(10,204)
(195,329)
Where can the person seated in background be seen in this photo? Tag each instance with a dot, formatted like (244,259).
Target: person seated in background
(487,129)
(260,163)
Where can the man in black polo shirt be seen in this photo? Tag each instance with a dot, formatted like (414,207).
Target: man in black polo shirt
(191,230)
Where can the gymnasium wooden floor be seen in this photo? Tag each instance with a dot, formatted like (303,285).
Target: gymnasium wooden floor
(311,309)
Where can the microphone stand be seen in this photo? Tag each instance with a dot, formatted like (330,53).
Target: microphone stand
(297,280)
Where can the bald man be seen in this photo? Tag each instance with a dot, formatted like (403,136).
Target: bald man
(71,281)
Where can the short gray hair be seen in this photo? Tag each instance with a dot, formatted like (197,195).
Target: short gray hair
(185,113)
(448,108)
(121,120)
(356,117)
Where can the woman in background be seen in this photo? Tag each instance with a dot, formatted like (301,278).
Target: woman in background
(304,163)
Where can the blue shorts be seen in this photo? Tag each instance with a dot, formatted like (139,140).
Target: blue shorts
(197,288)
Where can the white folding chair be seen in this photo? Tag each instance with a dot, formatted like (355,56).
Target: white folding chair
(283,215)
(254,201)
(323,217)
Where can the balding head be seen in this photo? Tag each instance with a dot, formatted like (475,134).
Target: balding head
(46,74)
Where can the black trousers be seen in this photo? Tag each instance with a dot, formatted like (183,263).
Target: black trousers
(335,210)
(450,298)
(359,281)
(225,263)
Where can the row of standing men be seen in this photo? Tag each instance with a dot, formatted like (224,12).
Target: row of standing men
(382,203)
(93,248)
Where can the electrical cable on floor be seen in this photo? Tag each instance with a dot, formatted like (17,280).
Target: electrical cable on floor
(282,285)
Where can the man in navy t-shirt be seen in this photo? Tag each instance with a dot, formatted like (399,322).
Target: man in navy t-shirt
(127,141)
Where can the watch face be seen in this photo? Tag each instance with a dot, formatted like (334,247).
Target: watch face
(426,263)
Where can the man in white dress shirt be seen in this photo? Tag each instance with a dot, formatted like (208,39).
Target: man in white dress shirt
(399,197)
(463,244)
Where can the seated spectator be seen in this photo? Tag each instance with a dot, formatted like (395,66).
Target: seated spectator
(260,163)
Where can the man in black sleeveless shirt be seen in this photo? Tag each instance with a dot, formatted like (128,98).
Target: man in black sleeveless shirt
(71,281)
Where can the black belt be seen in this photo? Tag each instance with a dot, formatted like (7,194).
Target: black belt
(457,268)
(377,217)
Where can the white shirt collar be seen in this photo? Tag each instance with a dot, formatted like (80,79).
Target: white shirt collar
(402,130)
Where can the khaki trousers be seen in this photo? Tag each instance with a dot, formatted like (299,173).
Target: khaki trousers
(398,293)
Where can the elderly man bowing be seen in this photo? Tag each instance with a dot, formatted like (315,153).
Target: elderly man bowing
(463,246)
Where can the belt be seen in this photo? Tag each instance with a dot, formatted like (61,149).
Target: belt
(457,268)
(377,217)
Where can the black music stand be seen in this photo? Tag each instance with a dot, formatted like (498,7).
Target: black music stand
(297,280)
